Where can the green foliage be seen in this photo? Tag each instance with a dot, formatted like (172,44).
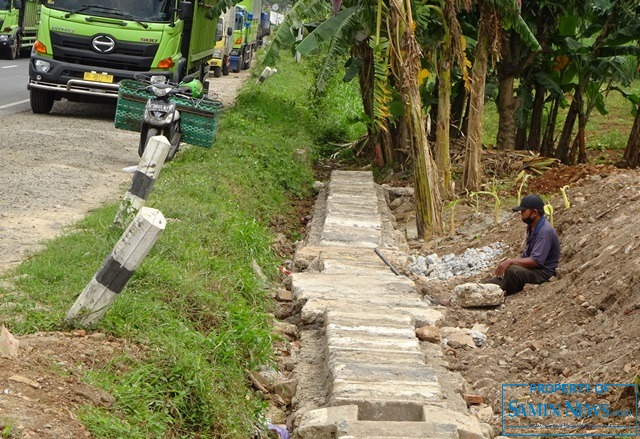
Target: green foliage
(195,304)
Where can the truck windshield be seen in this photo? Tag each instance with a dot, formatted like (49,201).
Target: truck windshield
(4,5)
(149,10)
(239,19)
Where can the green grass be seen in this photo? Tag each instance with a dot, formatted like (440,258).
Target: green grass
(195,302)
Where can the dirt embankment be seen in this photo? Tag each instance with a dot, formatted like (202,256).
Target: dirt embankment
(583,326)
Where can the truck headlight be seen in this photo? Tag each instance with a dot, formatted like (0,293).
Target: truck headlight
(217,54)
(42,66)
(235,52)
(4,37)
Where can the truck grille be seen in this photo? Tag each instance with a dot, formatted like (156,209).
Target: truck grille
(126,56)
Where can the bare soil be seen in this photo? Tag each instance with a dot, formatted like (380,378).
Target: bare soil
(55,169)
(583,325)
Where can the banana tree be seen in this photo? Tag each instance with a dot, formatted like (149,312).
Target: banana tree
(442,39)
(494,15)
(362,25)
(405,62)
(616,28)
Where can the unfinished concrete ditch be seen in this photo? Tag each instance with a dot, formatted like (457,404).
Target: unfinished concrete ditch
(361,370)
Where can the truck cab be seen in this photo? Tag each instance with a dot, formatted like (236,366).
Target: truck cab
(86,47)
(18,26)
(219,62)
(245,34)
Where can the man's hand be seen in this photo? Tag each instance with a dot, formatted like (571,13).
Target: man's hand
(502,267)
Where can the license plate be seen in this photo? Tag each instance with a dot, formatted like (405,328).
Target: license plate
(98,77)
(158,106)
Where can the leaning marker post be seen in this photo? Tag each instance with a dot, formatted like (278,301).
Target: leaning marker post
(144,178)
(117,269)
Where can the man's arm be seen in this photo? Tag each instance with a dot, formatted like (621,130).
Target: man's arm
(523,262)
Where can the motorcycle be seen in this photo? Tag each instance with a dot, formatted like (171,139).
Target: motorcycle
(161,116)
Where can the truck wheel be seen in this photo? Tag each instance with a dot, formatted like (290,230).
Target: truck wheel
(13,51)
(41,101)
(217,71)
(225,65)
(249,58)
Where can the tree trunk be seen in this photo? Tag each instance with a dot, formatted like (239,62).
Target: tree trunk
(407,66)
(457,110)
(582,127)
(381,142)
(631,156)
(546,149)
(535,127)
(472,174)
(443,163)
(507,106)
(521,138)
(562,151)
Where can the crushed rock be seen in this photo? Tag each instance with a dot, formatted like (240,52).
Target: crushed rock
(469,263)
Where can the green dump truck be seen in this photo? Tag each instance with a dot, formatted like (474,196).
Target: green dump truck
(245,33)
(86,47)
(18,26)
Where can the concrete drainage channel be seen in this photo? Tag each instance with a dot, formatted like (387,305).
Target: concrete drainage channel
(358,330)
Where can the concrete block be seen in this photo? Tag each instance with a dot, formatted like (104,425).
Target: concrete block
(368,317)
(344,392)
(468,427)
(410,359)
(327,423)
(472,295)
(382,372)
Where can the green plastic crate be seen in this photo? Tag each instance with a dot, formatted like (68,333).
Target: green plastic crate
(198,117)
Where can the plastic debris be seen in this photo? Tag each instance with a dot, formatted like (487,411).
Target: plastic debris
(280,429)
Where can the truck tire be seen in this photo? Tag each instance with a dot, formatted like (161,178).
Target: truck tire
(41,101)
(225,65)
(217,71)
(13,51)
(247,59)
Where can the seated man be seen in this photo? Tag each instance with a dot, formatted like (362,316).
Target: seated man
(539,260)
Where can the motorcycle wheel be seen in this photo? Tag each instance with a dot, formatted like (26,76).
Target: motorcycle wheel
(145,135)
(174,137)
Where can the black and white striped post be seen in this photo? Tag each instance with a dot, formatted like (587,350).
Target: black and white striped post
(144,178)
(126,256)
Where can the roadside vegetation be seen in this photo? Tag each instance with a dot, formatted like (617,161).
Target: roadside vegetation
(196,305)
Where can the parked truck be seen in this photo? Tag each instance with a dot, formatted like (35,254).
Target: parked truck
(245,33)
(220,62)
(86,47)
(18,26)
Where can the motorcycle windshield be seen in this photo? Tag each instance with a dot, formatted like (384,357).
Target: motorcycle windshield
(153,11)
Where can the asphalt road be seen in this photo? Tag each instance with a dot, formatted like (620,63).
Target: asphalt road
(14,96)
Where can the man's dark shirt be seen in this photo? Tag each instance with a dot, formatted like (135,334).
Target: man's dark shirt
(543,246)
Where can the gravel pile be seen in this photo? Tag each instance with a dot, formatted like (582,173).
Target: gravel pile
(471,262)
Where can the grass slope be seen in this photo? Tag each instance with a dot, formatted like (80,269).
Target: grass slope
(195,302)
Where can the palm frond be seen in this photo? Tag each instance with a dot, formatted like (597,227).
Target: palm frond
(382,94)
(285,37)
(217,9)
(510,13)
(324,32)
(343,39)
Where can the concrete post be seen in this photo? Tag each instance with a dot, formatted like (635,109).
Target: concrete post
(117,269)
(143,180)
